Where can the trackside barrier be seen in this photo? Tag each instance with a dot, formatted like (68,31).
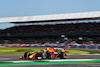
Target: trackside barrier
(73,46)
(98,47)
(47,46)
(86,47)
(91,47)
(83,47)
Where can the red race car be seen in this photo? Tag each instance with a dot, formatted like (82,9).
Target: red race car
(49,53)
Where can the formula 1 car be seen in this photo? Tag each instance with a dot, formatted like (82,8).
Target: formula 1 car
(49,53)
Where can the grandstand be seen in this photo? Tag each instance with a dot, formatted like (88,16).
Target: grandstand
(58,29)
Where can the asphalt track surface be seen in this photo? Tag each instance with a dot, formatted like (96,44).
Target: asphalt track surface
(15,57)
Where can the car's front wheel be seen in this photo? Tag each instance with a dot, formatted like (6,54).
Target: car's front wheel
(26,55)
(63,56)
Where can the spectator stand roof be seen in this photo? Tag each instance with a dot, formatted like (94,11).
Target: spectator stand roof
(52,18)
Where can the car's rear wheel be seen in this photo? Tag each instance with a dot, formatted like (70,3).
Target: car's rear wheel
(44,55)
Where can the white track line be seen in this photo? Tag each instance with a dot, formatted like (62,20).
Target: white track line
(53,60)
(18,61)
(69,60)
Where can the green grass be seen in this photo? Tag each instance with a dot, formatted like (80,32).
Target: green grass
(18,50)
(32,50)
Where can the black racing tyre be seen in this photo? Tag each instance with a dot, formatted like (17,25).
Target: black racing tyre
(44,55)
(27,54)
(48,55)
(63,56)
